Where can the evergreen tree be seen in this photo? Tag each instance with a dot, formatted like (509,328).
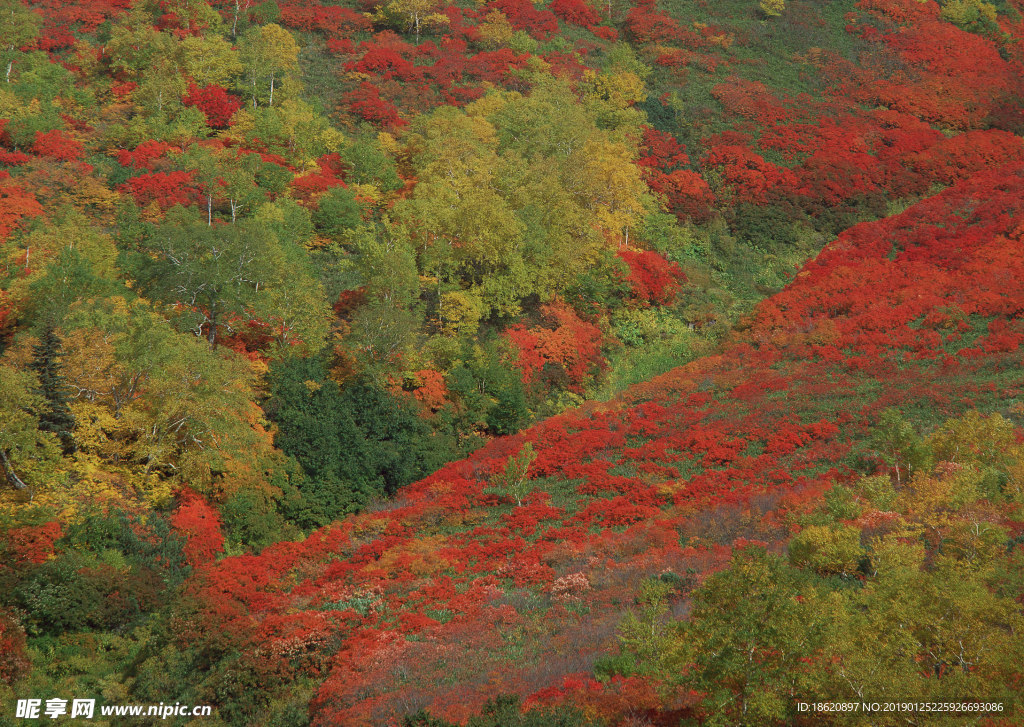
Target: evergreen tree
(55,416)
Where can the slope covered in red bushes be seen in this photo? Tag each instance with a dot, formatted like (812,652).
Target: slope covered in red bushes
(453,593)
(752,139)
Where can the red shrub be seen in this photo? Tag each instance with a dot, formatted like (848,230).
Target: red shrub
(217,105)
(386,63)
(32,543)
(199,523)
(652,278)
(567,343)
(55,145)
(366,103)
(167,189)
(956,158)
(143,155)
(15,205)
(574,11)
(522,14)
(14,662)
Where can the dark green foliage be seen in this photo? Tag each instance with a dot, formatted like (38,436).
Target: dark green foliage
(621,663)
(752,609)
(252,518)
(353,444)
(659,115)
(266,12)
(489,392)
(766,226)
(110,570)
(510,411)
(152,545)
(56,417)
(600,286)
(272,177)
(73,592)
(400,438)
(338,213)
(370,165)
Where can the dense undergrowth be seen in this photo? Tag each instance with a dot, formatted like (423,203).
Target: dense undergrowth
(403,362)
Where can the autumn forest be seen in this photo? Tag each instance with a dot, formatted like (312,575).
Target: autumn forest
(512,363)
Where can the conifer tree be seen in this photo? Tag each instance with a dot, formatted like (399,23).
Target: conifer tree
(56,416)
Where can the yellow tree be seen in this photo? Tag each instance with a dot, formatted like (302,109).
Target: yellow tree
(25,450)
(609,185)
(411,15)
(268,54)
(210,60)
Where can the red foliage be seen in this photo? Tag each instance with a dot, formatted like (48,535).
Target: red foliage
(522,15)
(957,158)
(199,524)
(567,344)
(83,15)
(750,176)
(751,100)
(167,189)
(955,77)
(685,192)
(308,187)
(216,104)
(15,205)
(428,388)
(31,543)
(661,150)
(6,315)
(334,21)
(14,662)
(604,32)
(366,103)
(55,145)
(652,278)
(123,90)
(143,155)
(386,63)
(576,12)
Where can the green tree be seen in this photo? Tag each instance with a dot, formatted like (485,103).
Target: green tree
(218,274)
(920,632)
(26,450)
(210,60)
(754,630)
(223,176)
(268,53)
(153,396)
(19,26)
(213,272)
(651,643)
(514,481)
(338,212)
(899,445)
(354,443)
(827,549)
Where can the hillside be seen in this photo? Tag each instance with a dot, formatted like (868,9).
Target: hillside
(453,592)
(411,363)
